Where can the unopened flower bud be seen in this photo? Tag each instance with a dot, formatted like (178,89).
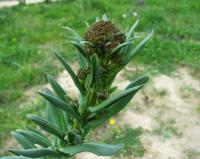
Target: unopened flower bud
(103,95)
(82,73)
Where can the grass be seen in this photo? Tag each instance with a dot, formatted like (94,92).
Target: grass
(116,134)
(28,34)
(192,153)
(15,118)
(161,92)
(131,139)
(167,129)
(198,109)
(188,91)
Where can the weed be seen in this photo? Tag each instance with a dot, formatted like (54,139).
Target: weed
(14,117)
(130,137)
(192,153)
(187,92)
(167,129)
(198,109)
(161,92)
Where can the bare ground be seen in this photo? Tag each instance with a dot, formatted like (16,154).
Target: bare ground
(168,98)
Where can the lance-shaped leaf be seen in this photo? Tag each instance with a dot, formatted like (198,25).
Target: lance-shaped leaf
(60,104)
(35,138)
(131,31)
(114,99)
(55,114)
(34,131)
(71,72)
(87,24)
(15,157)
(97,19)
(118,106)
(111,111)
(82,61)
(73,33)
(119,47)
(139,81)
(57,88)
(98,149)
(112,89)
(78,47)
(132,53)
(23,141)
(105,18)
(35,153)
(94,71)
(48,126)
(96,122)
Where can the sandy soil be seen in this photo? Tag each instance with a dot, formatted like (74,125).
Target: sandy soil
(166,98)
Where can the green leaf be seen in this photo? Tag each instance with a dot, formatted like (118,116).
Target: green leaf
(130,33)
(111,110)
(15,157)
(60,104)
(34,131)
(96,122)
(82,60)
(57,88)
(35,153)
(139,81)
(119,105)
(73,33)
(79,47)
(71,72)
(105,18)
(112,89)
(23,141)
(119,47)
(86,43)
(114,99)
(35,138)
(94,71)
(98,149)
(132,53)
(87,24)
(55,114)
(49,127)
(54,140)
(97,19)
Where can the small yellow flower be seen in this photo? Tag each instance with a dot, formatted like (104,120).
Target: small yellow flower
(112,121)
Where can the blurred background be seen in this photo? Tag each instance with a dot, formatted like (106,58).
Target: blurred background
(163,121)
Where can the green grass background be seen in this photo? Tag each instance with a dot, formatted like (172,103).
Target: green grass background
(29,33)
